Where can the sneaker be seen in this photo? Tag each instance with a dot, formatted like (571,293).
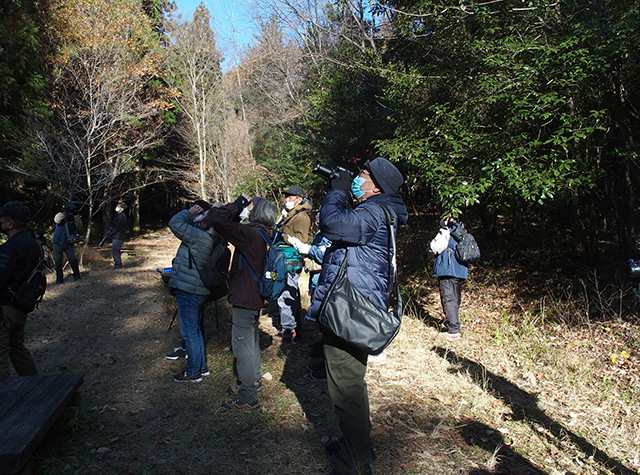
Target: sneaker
(178,352)
(287,335)
(237,405)
(451,336)
(185,378)
(232,390)
(316,366)
(320,375)
(205,372)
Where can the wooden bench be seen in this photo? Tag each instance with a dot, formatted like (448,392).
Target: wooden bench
(28,407)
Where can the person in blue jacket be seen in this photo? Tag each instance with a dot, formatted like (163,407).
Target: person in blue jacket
(451,276)
(364,232)
(68,223)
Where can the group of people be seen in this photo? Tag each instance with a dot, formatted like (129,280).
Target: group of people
(343,225)
(65,235)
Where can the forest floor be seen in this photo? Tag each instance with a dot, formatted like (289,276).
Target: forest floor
(521,393)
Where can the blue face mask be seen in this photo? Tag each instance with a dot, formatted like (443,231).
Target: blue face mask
(356,187)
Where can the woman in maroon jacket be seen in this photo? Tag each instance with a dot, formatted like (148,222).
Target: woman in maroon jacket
(243,290)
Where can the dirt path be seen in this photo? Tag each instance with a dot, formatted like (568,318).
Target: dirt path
(434,408)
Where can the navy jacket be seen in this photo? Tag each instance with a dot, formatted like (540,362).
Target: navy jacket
(365,232)
(446,264)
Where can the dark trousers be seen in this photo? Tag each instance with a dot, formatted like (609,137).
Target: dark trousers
(116,249)
(346,369)
(12,347)
(68,249)
(451,296)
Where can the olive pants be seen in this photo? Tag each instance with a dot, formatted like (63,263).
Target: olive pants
(12,347)
(346,369)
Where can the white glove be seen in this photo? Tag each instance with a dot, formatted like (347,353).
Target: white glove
(301,247)
(440,242)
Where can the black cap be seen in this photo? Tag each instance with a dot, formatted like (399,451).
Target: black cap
(385,174)
(16,211)
(70,206)
(123,205)
(294,191)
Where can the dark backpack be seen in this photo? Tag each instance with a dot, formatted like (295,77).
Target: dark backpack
(467,250)
(274,270)
(30,293)
(215,273)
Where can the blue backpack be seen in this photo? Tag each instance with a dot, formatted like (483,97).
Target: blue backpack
(274,270)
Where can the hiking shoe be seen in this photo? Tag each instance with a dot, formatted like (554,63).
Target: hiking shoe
(287,335)
(332,448)
(239,406)
(178,352)
(205,372)
(185,378)
(451,336)
(320,375)
(232,390)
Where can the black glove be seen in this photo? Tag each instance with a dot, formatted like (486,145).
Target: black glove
(342,181)
(241,202)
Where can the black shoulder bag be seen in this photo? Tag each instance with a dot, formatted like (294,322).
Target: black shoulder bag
(352,317)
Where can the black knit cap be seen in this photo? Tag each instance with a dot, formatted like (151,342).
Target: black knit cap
(385,174)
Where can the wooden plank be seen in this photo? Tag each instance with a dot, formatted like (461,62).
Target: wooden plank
(11,391)
(23,426)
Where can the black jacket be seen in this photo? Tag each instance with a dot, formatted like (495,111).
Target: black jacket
(18,257)
(118,228)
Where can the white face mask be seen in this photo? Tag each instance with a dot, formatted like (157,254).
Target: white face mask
(244,214)
(118,209)
(289,205)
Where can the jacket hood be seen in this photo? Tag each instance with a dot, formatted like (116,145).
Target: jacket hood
(394,202)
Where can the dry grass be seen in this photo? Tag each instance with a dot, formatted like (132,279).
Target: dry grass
(523,392)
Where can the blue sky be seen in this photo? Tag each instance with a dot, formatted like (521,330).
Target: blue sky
(229,20)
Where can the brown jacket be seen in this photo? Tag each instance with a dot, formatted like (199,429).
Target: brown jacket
(248,243)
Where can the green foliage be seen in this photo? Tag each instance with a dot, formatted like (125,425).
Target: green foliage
(347,113)
(22,82)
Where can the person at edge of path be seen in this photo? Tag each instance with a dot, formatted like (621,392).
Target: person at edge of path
(294,222)
(117,231)
(364,232)
(451,276)
(197,240)
(314,253)
(19,255)
(244,296)
(68,222)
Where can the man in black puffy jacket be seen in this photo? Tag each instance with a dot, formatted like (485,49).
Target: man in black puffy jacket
(18,257)
(364,232)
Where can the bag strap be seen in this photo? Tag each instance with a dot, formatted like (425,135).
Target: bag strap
(265,236)
(66,225)
(192,259)
(391,242)
(39,265)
